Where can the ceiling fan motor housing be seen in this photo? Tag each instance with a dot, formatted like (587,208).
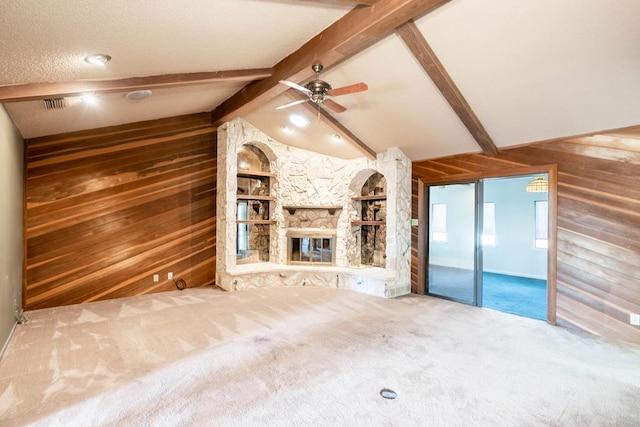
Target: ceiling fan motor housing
(319,89)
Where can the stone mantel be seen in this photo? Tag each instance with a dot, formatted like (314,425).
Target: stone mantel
(308,181)
(331,209)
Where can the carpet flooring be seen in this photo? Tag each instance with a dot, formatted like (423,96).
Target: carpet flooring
(308,357)
(511,294)
(516,295)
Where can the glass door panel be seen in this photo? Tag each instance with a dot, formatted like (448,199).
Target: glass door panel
(452,242)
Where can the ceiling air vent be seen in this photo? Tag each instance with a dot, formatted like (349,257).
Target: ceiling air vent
(54,103)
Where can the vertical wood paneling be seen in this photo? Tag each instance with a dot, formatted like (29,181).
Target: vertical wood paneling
(598,222)
(107,209)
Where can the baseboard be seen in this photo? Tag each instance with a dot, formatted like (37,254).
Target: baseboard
(511,273)
(6,343)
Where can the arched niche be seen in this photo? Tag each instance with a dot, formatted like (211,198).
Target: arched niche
(252,157)
(370,202)
(254,202)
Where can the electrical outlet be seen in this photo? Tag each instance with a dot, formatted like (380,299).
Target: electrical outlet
(170,275)
(156,277)
(634,319)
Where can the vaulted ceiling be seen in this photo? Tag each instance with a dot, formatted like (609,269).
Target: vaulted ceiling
(444,76)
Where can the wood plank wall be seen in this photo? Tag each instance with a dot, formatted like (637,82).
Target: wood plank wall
(598,224)
(107,209)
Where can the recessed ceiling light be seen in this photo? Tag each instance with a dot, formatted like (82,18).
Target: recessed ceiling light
(138,94)
(336,138)
(287,129)
(98,59)
(298,120)
(89,98)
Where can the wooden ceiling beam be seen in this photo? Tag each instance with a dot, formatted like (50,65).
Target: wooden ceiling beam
(356,2)
(31,91)
(419,47)
(349,35)
(362,2)
(333,123)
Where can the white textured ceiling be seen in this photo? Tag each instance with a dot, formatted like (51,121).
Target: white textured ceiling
(45,40)
(530,70)
(540,69)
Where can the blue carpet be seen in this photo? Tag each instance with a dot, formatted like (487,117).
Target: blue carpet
(517,295)
(510,294)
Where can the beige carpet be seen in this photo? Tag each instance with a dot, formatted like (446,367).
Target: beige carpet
(308,356)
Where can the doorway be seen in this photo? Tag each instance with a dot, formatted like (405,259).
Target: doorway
(488,241)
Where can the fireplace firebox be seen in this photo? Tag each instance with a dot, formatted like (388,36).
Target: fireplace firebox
(311,249)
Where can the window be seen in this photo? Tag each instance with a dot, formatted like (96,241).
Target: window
(542,224)
(439,222)
(489,224)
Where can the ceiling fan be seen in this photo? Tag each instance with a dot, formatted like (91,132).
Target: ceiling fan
(318,91)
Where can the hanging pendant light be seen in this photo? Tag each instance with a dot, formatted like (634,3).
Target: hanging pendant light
(538,185)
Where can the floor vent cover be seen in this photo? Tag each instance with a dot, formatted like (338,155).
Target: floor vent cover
(388,393)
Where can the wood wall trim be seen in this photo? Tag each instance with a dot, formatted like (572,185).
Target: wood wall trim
(430,63)
(552,250)
(349,35)
(24,225)
(423,247)
(32,91)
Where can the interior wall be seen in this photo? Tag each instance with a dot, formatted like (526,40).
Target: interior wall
(109,208)
(598,223)
(514,252)
(11,218)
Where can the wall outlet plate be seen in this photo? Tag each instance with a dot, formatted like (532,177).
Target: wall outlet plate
(156,277)
(634,319)
(170,275)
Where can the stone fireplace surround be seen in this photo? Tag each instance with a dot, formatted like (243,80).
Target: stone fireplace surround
(313,195)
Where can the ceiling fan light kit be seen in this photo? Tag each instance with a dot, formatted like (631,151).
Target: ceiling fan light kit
(318,91)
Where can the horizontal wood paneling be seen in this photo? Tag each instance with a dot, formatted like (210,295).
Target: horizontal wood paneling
(107,209)
(598,223)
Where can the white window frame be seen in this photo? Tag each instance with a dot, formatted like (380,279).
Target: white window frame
(541,231)
(439,222)
(489,224)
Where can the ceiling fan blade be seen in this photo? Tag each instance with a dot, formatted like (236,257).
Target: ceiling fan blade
(345,90)
(291,104)
(334,106)
(297,87)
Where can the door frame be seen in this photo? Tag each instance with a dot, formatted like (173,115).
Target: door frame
(552,252)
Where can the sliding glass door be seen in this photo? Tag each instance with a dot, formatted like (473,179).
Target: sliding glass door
(453,249)
(487,243)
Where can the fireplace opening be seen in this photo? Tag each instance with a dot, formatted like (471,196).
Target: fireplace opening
(311,250)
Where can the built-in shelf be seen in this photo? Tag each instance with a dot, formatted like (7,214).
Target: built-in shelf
(368,223)
(372,225)
(253,174)
(254,197)
(374,197)
(292,209)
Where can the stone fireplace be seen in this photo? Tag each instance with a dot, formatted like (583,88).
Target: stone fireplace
(323,221)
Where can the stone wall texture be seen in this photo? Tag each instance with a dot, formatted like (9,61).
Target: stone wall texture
(314,181)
